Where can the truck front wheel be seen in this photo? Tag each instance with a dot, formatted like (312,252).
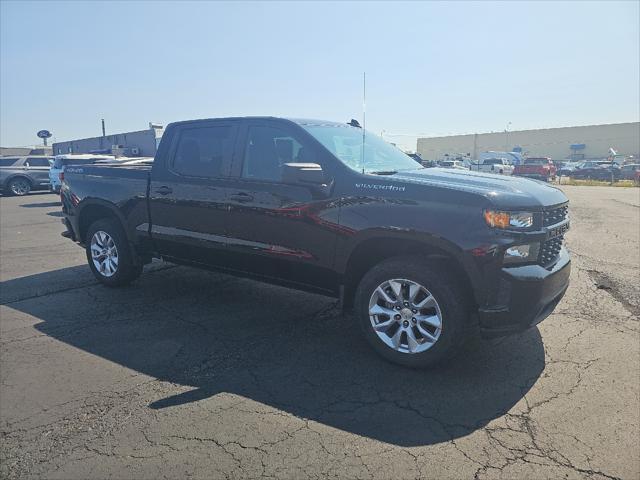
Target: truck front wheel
(109,254)
(412,312)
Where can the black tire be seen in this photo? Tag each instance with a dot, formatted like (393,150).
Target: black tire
(19,186)
(442,286)
(127,269)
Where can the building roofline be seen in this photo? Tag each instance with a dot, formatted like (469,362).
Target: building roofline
(106,136)
(532,130)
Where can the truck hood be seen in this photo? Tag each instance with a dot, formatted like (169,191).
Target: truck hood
(502,191)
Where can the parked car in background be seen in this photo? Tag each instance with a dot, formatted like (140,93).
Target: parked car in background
(20,175)
(605,171)
(297,204)
(429,163)
(512,158)
(567,168)
(452,164)
(60,161)
(541,168)
(630,171)
(416,157)
(564,169)
(493,165)
(421,161)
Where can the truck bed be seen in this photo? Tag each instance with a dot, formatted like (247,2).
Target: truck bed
(125,186)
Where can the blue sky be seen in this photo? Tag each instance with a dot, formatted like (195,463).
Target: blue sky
(432,68)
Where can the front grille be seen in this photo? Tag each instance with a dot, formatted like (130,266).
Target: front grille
(555,215)
(550,250)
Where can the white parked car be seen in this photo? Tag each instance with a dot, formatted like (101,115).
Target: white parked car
(458,165)
(500,166)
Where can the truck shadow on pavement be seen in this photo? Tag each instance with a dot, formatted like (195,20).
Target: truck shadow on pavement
(41,205)
(292,351)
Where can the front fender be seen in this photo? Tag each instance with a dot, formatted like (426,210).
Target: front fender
(433,245)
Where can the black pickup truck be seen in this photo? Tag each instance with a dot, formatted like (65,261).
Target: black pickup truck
(423,256)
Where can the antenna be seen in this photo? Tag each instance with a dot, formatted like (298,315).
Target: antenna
(364,112)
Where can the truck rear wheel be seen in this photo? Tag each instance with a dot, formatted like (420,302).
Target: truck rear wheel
(411,312)
(109,254)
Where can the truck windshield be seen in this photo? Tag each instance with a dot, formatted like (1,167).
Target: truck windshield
(346,144)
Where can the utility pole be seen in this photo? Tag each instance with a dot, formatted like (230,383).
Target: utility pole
(103,135)
(506,147)
(475,146)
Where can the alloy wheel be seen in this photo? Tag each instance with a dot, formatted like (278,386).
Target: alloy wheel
(20,187)
(405,316)
(104,253)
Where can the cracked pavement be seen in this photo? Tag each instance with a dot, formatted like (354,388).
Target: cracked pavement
(187,374)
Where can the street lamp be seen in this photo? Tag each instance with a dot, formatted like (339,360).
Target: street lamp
(506,146)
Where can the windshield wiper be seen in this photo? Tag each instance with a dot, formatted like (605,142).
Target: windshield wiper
(384,172)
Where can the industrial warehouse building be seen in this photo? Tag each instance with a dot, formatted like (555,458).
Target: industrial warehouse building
(577,143)
(142,143)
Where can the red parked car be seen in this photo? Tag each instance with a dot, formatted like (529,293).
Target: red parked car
(541,168)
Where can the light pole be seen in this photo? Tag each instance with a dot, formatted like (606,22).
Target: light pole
(506,146)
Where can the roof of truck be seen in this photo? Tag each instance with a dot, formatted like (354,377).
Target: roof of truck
(299,121)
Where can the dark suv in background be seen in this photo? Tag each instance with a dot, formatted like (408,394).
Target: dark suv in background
(20,175)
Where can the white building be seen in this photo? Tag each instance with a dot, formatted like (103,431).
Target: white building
(591,141)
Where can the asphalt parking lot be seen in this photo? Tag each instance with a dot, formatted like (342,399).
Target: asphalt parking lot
(192,373)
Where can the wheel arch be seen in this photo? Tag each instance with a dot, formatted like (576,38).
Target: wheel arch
(95,210)
(9,179)
(375,249)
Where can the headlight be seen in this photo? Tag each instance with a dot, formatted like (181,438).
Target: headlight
(516,220)
(521,253)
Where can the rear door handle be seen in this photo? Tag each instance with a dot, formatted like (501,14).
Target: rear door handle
(164,190)
(241,197)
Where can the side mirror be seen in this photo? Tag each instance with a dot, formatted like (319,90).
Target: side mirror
(309,174)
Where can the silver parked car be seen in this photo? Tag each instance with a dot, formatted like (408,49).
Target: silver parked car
(20,175)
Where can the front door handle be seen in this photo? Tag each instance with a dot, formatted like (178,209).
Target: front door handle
(241,197)
(164,190)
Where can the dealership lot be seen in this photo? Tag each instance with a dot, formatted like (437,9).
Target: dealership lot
(192,373)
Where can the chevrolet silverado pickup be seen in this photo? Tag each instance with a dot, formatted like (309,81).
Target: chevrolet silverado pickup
(424,257)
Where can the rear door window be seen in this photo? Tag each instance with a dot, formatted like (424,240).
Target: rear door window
(204,151)
(37,162)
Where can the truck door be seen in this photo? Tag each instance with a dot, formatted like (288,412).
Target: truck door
(188,192)
(277,230)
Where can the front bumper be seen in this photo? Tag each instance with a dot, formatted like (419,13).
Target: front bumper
(528,294)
